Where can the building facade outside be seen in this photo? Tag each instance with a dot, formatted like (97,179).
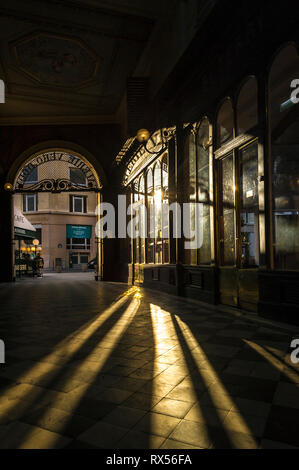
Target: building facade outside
(64,221)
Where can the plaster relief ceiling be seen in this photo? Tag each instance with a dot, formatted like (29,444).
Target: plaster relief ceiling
(54,60)
(71,58)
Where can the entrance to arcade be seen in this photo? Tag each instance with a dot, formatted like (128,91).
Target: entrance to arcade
(56,194)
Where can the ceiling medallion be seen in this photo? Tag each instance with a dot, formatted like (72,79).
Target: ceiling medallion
(56,60)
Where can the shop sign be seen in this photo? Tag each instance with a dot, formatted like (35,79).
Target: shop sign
(78,231)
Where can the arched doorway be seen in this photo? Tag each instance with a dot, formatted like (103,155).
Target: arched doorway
(57,190)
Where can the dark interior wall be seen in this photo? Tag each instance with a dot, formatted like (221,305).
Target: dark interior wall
(102,141)
(238,39)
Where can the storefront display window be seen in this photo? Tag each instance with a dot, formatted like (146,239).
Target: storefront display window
(284,127)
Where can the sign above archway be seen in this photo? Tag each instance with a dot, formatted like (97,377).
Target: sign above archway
(56,171)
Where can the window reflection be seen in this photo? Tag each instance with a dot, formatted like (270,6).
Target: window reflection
(284,123)
(197,193)
(225,123)
(153,234)
(227,211)
(249,206)
(247,110)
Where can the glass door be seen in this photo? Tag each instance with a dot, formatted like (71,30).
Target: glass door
(238,227)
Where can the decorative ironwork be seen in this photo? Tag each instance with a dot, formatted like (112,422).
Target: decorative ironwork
(55,186)
(56,171)
(156,145)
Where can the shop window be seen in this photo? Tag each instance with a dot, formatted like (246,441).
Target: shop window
(77,176)
(189,171)
(78,204)
(247,108)
(165,209)
(203,191)
(153,223)
(30,202)
(284,128)
(158,212)
(227,210)
(142,220)
(249,206)
(225,123)
(78,243)
(84,258)
(197,194)
(151,232)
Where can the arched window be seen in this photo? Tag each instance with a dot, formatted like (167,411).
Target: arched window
(247,109)
(225,123)
(284,128)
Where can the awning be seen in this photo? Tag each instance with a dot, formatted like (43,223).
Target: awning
(22,227)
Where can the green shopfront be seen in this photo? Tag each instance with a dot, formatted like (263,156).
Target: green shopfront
(78,244)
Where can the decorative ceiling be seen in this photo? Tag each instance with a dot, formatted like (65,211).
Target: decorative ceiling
(71,59)
(56,61)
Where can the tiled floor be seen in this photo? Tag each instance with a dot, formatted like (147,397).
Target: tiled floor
(94,365)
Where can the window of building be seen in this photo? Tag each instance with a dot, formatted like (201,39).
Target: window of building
(30,203)
(77,176)
(79,258)
(284,128)
(247,108)
(227,210)
(30,175)
(38,233)
(225,123)
(78,243)
(151,191)
(197,194)
(78,204)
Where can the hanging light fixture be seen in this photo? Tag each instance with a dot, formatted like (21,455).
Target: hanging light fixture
(144,136)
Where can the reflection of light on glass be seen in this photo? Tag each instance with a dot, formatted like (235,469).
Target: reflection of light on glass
(158,197)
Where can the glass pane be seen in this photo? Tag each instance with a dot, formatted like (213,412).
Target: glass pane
(77,176)
(286,198)
(31,177)
(225,123)
(247,112)
(142,220)
(249,206)
(78,204)
(284,69)
(227,211)
(84,258)
(30,202)
(284,121)
(203,178)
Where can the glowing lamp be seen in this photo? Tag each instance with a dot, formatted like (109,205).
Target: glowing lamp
(143,135)
(8,187)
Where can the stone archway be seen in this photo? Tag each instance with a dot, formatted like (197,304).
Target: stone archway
(56,154)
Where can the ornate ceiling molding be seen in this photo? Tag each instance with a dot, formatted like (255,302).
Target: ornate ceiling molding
(55,60)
